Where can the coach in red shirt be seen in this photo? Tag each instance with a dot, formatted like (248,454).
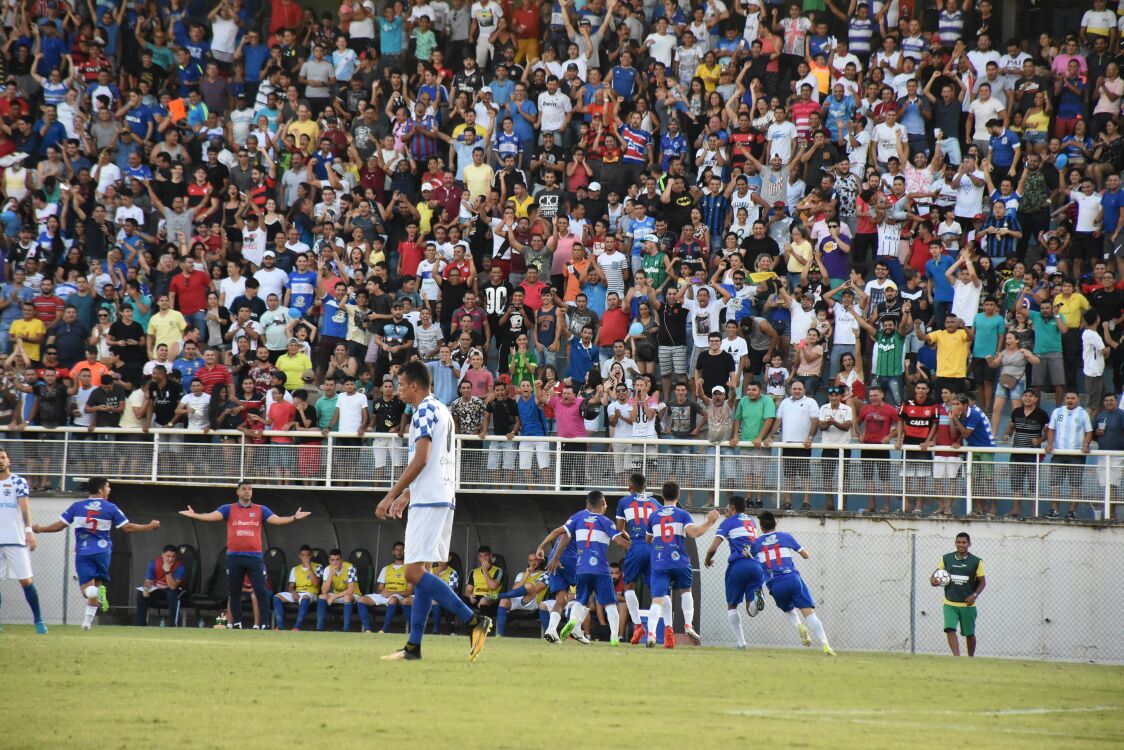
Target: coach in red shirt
(188,293)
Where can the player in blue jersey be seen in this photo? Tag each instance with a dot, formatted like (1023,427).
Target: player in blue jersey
(17,540)
(744,575)
(93,519)
(561,580)
(593,532)
(633,512)
(668,529)
(774,549)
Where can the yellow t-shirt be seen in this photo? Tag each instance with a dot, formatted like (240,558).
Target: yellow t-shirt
(481,131)
(522,206)
(793,263)
(480,585)
(478,179)
(531,580)
(709,75)
(952,353)
(293,367)
(1072,309)
(33,327)
(393,579)
(167,328)
(341,578)
(302,578)
(311,128)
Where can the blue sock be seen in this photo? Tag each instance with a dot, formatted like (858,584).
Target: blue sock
(418,614)
(32,597)
(302,610)
(391,611)
(517,593)
(432,587)
(364,616)
(437,615)
(408,609)
(347,616)
(544,619)
(321,613)
(501,621)
(279,614)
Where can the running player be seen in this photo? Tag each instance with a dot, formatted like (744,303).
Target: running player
(93,519)
(744,575)
(774,551)
(427,487)
(561,579)
(668,529)
(593,532)
(633,512)
(17,540)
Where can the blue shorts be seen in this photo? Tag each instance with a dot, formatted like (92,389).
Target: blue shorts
(671,579)
(561,580)
(92,567)
(638,564)
(743,577)
(789,592)
(596,583)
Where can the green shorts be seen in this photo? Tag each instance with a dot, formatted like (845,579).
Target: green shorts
(965,617)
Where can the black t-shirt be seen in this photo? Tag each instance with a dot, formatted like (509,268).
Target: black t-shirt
(504,413)
(673,325)
(452,298)
(548,156)
(113,397)
(1027,427)
(519,321)
(495,297)
(130,354)
(549,203)
(164,400)
(754,247)
(714,369)
(387,415)
(52,404)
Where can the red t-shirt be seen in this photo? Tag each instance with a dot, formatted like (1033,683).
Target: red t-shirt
(191,291)
(280,414)
(876,421)
(212,376)
(47,308)
(243,528)
(614,326)
(410,254)
(528,17)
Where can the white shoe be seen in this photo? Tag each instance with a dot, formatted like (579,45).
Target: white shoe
(550,636)
(580,637)
(86,627)
(692,634)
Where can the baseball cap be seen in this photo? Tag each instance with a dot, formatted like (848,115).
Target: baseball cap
(269,254)
(594,187)
(427,187)
(717,389)
(780,204)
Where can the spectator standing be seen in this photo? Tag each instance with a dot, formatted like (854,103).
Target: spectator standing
(797,422)
(1070,429)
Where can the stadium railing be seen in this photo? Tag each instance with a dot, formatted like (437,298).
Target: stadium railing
(836,477)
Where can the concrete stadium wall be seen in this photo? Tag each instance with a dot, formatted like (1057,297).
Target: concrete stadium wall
(1050,594)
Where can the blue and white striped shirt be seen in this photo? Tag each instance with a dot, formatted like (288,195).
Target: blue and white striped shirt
(1069,426)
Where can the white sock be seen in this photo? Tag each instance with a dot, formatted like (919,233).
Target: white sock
(687,599)
(614,618)
(736,625)
(816,627)
(793,618)
(577,614)
(555,618)
(633,603)
(91,613)
(654,613)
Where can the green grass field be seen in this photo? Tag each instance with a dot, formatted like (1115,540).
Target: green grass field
(119,687)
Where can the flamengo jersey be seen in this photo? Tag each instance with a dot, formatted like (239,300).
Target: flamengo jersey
(740,531)
(635,510)
(592,532)
(774,551)
(11,519)
(917,419)
(243,527)
(92,520)
(668,527)
(434,486)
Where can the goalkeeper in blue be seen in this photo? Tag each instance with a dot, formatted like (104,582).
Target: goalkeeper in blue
(744,575)
(592,532)
(774,550)
(633,512)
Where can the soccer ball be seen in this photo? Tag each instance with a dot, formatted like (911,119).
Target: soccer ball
(942,577)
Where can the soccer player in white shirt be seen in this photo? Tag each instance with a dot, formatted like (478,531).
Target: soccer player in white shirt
(427,485)
(17,540)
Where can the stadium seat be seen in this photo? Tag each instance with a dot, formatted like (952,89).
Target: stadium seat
(214,591)
(501,561)
(320,557)
(190,585)
(276,569)
(364,569)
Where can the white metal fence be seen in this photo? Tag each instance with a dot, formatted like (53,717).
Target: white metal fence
(851,477)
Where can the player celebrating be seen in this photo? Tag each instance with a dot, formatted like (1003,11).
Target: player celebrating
(966,584)
(774,551)
(633,512)
(427,487)
(744,575)
(17,540)
(93,519)
(593,532)
(667,532)
(561,579)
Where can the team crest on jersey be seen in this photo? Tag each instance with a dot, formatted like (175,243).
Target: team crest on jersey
(93,505)
(674,555)
(593,561)
(102,543)
(7,492)
(252,515)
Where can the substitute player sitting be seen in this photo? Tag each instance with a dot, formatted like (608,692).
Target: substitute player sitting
(391,591)
(162,584)
(633,512)
(744,575)
(593,532)
(341,585)
(304,589)
(527,596)
(485,583)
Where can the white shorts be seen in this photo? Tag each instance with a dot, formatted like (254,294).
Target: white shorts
(532,449)
(501,454)
(428,532)
(517,605)
(946,467)
(15,562)
(378,600)
(391,448)
(291,598)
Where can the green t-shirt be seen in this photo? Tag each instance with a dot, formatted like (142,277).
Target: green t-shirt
(654,268)
(325,410)
(1047,337)
(888,360)
(752,415)
(1011,289)
(988,331)
(965,574)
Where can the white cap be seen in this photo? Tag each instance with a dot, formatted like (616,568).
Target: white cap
(594,187)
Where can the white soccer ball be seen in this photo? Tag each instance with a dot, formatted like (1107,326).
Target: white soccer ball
(942,577)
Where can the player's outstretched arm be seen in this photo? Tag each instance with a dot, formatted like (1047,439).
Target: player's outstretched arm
(714,545)
(137,528)
(556,558)
(214,515)
(695,530)
(277,520)
(541,550)
(49,528)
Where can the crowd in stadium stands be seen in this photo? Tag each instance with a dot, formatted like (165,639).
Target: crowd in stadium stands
(894,221)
